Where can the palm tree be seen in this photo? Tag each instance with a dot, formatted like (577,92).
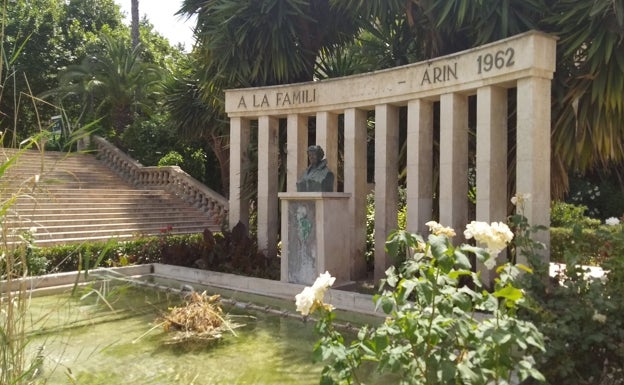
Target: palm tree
(265,42)
(115,84)
(589,106)
(134,10)
(196,115)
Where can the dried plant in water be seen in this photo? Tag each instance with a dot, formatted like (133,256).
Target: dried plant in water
(200,320)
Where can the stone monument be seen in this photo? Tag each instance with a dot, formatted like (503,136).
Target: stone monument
(316,237)
(436,96)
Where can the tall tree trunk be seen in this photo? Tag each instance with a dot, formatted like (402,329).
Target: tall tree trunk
(134,10)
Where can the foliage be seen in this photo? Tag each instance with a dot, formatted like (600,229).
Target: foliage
(265,42)
(369,253)
(588,107)
(197,115)
(30,30)
(172,158)
(147,140)
(568,215)
(580,317)
(593,246)
(602,193)
(193,162)
(115,84)
(230,252)
(435,332)
(44,36)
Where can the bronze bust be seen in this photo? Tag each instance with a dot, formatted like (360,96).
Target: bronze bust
(317,177)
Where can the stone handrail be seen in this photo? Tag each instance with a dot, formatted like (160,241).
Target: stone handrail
(170,178)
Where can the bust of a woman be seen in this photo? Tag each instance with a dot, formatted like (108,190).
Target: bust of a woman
(317,177)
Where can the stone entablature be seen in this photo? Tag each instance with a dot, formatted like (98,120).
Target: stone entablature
(527,55)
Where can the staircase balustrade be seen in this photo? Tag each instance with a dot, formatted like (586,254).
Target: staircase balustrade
(170,178)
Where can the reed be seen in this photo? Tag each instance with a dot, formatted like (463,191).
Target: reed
(16,365)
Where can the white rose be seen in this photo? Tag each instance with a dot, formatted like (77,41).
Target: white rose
(315,293)
(495,237)
(324,280)
(305,300)
(613,221)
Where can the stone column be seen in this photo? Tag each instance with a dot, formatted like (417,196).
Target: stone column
(454,162)
(419,165)
(268,128)
(533,153)
(355,183)
(296,149)
(386,181)
(491,160)
(239,143)
(327,137)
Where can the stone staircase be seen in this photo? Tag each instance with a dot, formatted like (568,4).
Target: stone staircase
(76,197)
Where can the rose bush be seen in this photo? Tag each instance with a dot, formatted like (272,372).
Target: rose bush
(437,330)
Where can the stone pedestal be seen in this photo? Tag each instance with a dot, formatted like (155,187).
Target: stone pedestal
(316,236)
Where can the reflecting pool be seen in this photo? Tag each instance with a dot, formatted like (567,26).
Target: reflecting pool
(111,336)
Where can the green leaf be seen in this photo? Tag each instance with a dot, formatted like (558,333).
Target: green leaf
(467,374)
(386,304)
(524,267)
(462,260)
(439,246)
(510,293)
(490,304)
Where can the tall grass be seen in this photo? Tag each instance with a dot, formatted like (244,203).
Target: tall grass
(16,368)
(13,295)
(16,365)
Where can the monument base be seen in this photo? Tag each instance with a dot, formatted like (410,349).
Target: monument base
(315,236)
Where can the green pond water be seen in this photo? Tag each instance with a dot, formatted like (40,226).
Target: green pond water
(83,341)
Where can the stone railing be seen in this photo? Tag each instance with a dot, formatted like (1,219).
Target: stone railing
(170,178)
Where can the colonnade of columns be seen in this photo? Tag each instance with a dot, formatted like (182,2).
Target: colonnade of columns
(532,165)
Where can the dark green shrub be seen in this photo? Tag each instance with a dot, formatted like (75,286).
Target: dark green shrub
(579,315)
(592,246)
(230,252)
(195,163)
(602,193)
(148,140)
(172,158)
(369,253)
(564,214)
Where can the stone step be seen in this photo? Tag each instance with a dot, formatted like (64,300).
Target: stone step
(132,225)
(132,208)
(75,198)
(89,195)
(95,199)
(49,239)
(58,218)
